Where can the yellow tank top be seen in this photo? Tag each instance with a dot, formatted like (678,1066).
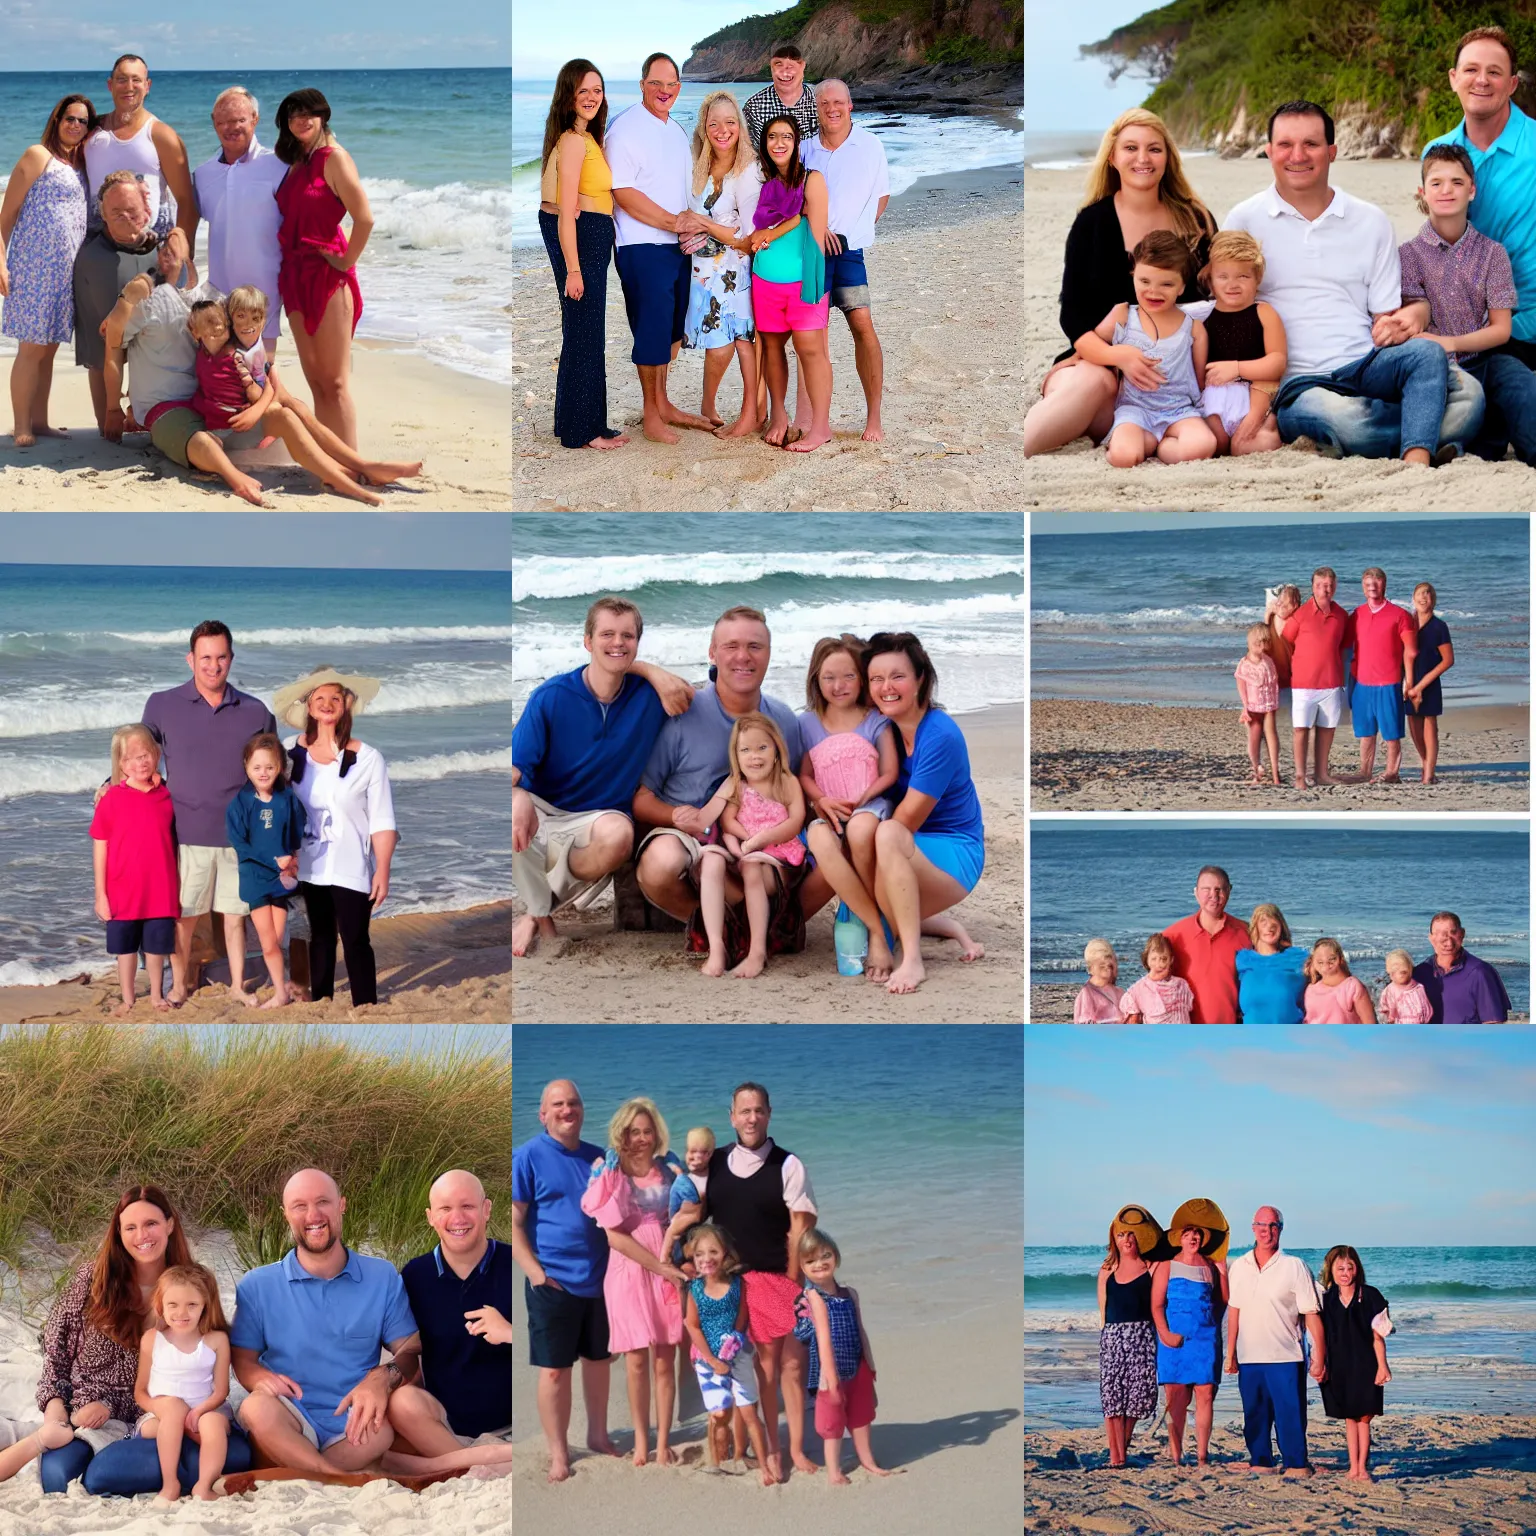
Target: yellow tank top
(596,180)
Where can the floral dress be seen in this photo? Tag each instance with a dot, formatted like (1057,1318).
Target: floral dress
(720,293)
(50,227)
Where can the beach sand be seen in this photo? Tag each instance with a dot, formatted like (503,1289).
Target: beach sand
(1051,1002)
(1086,755)
(433,968)
(1437,1473)
(1078,477)
(593,975)
(944,280)
(407,408)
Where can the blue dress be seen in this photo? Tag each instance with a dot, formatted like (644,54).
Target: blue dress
(1191,1311)
(1270,987)
(49,229)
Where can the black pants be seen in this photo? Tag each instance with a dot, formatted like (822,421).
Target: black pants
(333,907)
(581,386)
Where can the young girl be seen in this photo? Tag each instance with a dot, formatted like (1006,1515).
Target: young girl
(225,383)
(1282,602)
(1127,1335)
(716,1310)
(1258,689)
(266,825)
(1356,1323)
(1159,997)
(1403,1000)
(138,893)
(1160,352)
(183,1381)
(247,320)
(1334,996)
(1099,1001)
(760,808)
(840,1368)
(1245,346)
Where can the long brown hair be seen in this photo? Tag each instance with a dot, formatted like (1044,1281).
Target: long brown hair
(114,1305)
(53,138)
(1190,216)
(1342,1251)
(794,172)
(562,108)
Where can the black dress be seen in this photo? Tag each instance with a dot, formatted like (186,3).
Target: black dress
(1350,1390)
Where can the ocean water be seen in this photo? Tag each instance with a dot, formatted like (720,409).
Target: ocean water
(916,144)
(82,647)
(431,148)
(1372,888)
(843,1100)
(1159,617)
(957,583)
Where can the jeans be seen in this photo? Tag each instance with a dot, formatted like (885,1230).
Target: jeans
(131,1466)
(1275,1397)
(1383,404)
(1509,388)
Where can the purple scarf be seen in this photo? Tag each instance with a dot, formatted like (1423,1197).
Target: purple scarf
(777,203)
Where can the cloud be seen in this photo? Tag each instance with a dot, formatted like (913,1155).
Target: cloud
(1044,1094)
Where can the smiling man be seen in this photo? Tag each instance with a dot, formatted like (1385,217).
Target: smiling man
(1205,946)
(788,93)
(1385,639)
(1315,632)
(1461,988)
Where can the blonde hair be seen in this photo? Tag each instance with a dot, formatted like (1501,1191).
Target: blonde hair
(1239,246)
(625,1116)
(812,1242)
(703,145)
(120,739)
(1099,949)
(1263,631)
(1191,218)
(247,297)
(1427,586)
(1396,954)
(1269,909)
(704,1133)
(1311,973)
(755,719)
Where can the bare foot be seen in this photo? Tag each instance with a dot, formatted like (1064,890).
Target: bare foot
(52,1435)
(1301,1471)
(602,1445)
(121,1008)
(714,966)
(872,433)
(875,1471)
(665,1457)
(908,976)
(679,418)
(777,427)
(161,1004)
(207,1495)
(177,997)
(765,1474)
(879,962)
(46,431)
(812,439)
(743,426)
(1391,778)
(609,442)
(712,416)
(641,1456)
(527,929)
(658,431)
(776,1469)
(803,1463)
(248,998)
(247,489)
(277,1000)
(1301,783)
(559,1470)
(344,485)
(24,439)
(387,471)
(750,967)
(836,1475)
(1366,1475)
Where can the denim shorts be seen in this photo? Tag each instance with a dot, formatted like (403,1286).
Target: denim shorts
(847,281)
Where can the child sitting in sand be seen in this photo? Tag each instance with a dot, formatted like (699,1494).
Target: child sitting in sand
(1258,690)
(1159,997)
(226,385)
(1356,1322)
(1160,353)
(1333,996)
(1246,352)
(1403,1000)
(1099,1001)
(138,892)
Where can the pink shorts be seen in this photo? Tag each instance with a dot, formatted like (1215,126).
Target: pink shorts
(856,1409)
(770,1305)
(779,307)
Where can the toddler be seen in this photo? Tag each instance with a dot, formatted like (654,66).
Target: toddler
(1245,347)
(1280,603)
(1333,996)
(687,1194)
(1356,1322)
(1403,1000)
(1258,690)
(1159,997)
(1099,1001)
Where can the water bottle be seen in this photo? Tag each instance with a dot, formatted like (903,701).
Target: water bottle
(851,939)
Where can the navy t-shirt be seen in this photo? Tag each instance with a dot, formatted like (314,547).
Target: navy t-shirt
(550,1180)
(940,766)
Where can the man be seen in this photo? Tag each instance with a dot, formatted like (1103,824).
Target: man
(1332,271)
(563,1254)
(1205,946)
(788,93)
(652,169)
(1316,632)
(577,753)
(235,195)
(1385,639)
(853,162)
(1272,1296)
(767,1217)
(1461,988)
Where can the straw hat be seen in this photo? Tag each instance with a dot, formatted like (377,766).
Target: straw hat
(1142,1225)
(288,703)
(1206,1215)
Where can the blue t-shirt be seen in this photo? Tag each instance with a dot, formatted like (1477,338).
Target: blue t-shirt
(1270,988)
(689,762)
(683,1192)
(550,1180)
(261,834)
(580,754)
(940,766)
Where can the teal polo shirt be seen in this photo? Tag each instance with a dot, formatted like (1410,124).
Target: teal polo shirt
(1505,206)
(326,1334)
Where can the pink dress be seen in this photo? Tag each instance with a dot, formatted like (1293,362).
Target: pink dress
(757,813)
(1261,683)
(1159,1002)
(643,1309)
(312,216)
(1097,1005)
(1404,1005)
(1333,1005)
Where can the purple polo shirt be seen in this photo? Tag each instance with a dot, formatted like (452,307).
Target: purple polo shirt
(1471,992)
(1462,282)
(202,749)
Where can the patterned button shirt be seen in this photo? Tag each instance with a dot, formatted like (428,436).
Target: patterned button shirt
(1462,281)
(764,106)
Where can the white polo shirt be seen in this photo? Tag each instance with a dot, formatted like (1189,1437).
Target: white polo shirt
(857,178)
(652,157)
(239,204)
(1270,1303)
(1325,277)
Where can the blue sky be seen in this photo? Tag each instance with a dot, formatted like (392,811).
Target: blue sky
(1044,524)
(1379,1137)
(617,34)
(1062,91)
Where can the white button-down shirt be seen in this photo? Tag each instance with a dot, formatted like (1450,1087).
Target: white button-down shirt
(243,218)
(857,178)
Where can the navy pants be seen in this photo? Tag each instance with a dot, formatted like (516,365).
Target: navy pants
(581,386)
(1275,1398)
(131,1466)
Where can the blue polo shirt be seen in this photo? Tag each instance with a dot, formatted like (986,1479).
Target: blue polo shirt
(326,1334)
(580,754)
(940,766)
(1471,992)
(689,761)
(550,1180)
(1505,206)
(469,1376)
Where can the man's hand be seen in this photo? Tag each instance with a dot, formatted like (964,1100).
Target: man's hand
(675,693)
(689,819)
(488,1324)
(112,427)
(1231,1366)
(1318,1370)
(525,820)
(1396,327)
(378,891)
(367,1405)
(276,1385)
(833,244)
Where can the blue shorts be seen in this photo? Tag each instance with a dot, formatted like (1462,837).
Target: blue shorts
(656,280)
(1377,710)
(961,857)
(847,280)
(154,935)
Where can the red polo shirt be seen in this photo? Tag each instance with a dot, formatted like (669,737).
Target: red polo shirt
(1378,642)
(1208,962)
(1317,660)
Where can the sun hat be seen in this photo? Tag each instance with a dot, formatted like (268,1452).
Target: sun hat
(288,703)
(1142,1225)
(1206,1215)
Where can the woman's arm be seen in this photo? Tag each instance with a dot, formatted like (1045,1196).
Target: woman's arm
(622,1242)
(33,162)
(141,1381)
(1103,1283)
(888,766)
(571,151)
(341,177)
(1160,1307)
(914,810)
(1094,346)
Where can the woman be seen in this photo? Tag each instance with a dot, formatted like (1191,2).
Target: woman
(727,181)
(344,860)
(1189,1295)
(929,854)
(1127,1339)
(1136,185)
(789,282)
(316,278)
(1270,980)
(42,224)
(628,1199)
(1435,657)
(576,220)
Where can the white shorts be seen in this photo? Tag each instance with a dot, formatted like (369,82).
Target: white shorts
(1316,706)
(542,875)
(1229,402)
(737,1390)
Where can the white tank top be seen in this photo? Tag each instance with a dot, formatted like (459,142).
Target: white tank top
(174,1374)
(105,153)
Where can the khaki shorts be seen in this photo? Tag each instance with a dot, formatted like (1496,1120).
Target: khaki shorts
(210,878)
(695,852)
(172,431)
(542,872)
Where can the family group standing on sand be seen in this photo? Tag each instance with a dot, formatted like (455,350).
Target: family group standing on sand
(1303,317)
(626,1251)
(1209,968)
(135,1390)
(98,233)
(752,816)
(736,244)
(1162,1300)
